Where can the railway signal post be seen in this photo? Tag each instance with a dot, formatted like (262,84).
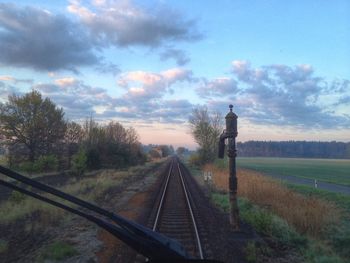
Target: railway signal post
(230,134)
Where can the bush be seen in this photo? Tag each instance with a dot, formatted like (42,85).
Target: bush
(17,197)
(79,162)
(222,164)
(154,154)
(43,164)
(59,251)
(251,252)
(93,160)
(28,167)
(3,246)
(194,160)
(340,239)
(46,163)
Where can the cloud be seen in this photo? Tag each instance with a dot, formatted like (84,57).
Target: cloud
(108,67)
(7,78)
(35,38)
(144,89)
(178,55)
(153,85)
(7,90)
(144,94)
(218,87)
(69,81)
(76,98)
(279,95)
(122,24)
(344,101)
(174,111)
(244,72)
(142,99)
(15,80)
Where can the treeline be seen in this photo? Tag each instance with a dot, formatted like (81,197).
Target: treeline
(158,151)
(302,149)
(37,138)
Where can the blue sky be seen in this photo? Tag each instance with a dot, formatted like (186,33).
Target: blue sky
(283,65)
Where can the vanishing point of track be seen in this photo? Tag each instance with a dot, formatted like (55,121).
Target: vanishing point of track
(175,215)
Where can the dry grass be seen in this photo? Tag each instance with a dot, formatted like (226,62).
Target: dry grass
(11,211)
(307,214)
(87,188)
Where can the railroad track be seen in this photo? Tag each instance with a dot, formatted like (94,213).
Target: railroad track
(175,214)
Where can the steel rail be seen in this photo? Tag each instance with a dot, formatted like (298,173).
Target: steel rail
(188,204)
(192,215)
(162,198)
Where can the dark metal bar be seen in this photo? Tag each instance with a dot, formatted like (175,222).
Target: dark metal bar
(151,244)
(231,133)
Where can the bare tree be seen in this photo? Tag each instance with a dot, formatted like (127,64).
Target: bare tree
(131,136)
(206,129)
(73,137)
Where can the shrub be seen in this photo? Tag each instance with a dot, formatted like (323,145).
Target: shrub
(340,239)
(46,163)
(93,160)
(79,162)
(59,250)
(222,163)
(154,154)
(27,167)
(195,160)
(221,200)
(43,164)
(3,246)
(16,197)
(251,253)
(262,220)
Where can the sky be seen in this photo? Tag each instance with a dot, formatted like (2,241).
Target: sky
(284,65)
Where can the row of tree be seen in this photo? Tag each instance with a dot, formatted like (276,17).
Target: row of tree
(302,149)
(34,130)
(158,151)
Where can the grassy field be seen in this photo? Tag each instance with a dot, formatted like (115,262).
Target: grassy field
(327,170)
(2,160)
(311,222)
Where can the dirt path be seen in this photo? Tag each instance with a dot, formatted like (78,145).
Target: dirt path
(133,203)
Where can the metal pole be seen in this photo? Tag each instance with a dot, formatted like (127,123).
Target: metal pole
(231,133)
(234,212)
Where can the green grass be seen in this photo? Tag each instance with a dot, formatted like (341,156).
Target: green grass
(339,235)
(3,246)
(262,220)
(269,225)
(13,210)
(58,250)
(327,170)
(251,252)
(343,201)
(194,170)
(2,160)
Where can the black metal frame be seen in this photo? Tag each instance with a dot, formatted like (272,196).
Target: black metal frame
(152,245)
